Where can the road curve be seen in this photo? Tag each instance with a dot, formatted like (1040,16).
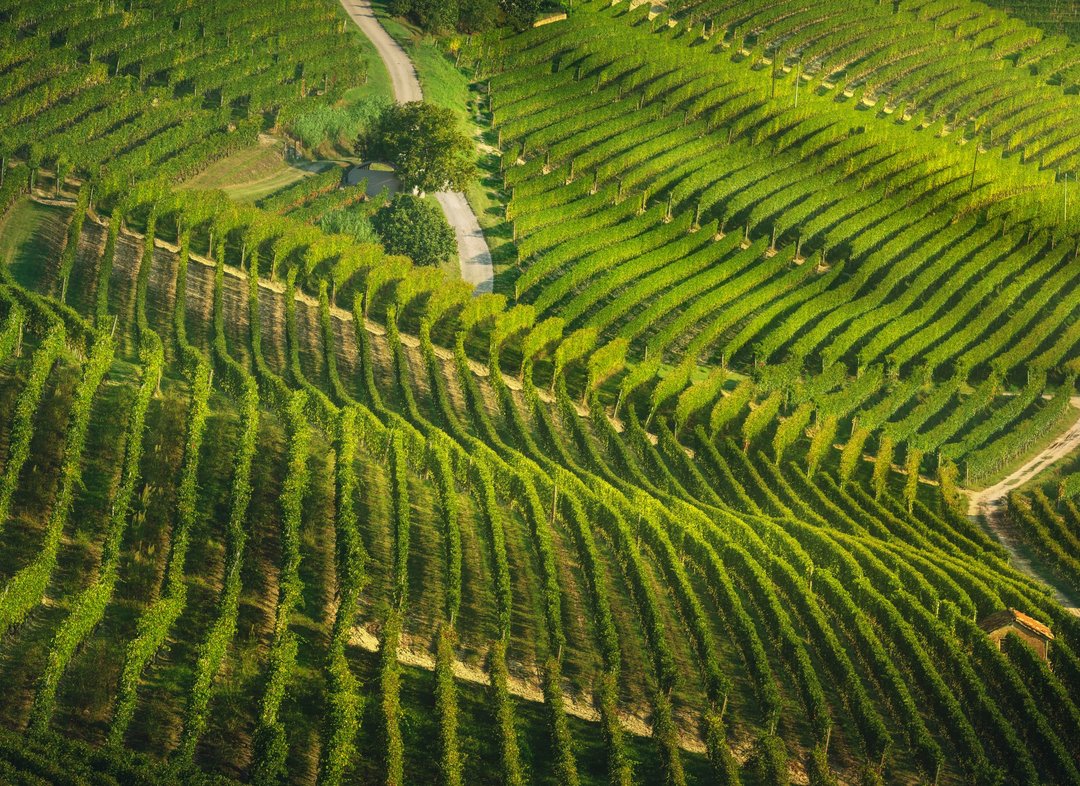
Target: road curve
(994,496)
(474,257)
(990,503)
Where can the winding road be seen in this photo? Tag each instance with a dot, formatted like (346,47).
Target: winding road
(991,502)
(474,257)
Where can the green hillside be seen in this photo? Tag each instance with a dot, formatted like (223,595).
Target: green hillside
(686,501)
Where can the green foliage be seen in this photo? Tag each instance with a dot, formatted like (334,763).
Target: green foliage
(821,444)
(45,356)
(399,496)
(605,362)
(760,417)
(791,429)
(71,240)
(439,461)
(89,606)
(302,191)
(561,741)
(271,748)
(451,764)
(156,622)
(11,331)
(572,348)
(425,145)
(698,396)
(393,746)
(351,222)
(414,227)
(768,761)
(852,454)
(882,465)
(24,590)
(429,14)
(353,121)
(343,698)
(728,408)
(669,386)
(513,774)
(724,765)
(215,645)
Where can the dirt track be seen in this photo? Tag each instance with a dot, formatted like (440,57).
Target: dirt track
(991,502)
(474,256)
(1066,443)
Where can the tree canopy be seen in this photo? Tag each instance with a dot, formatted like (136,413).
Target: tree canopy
(414,227)
(427,147)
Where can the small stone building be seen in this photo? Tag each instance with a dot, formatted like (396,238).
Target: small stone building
(1001,623)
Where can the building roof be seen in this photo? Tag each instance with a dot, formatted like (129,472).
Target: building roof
(1001,619)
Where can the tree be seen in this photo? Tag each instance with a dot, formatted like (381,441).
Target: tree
(520,13)
(432,15)
(411,226)
(427,148)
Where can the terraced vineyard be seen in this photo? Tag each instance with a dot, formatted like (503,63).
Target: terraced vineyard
(691,210)
(682,505)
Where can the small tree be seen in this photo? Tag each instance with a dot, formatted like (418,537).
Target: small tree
(426,146)
(411,226)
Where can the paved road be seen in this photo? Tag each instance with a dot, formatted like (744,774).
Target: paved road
(474,257)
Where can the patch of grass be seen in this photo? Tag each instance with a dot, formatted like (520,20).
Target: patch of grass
(255,172)
(378,78)
(26,238)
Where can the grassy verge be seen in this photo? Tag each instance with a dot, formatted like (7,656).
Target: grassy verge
(378,78)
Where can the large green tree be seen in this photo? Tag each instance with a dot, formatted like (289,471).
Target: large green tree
(426,146)
(414,227)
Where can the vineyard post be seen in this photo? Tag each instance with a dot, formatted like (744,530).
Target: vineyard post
(798,78)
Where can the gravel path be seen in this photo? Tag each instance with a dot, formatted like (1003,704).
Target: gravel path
(991,503)
(474,256)
(1066,443)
